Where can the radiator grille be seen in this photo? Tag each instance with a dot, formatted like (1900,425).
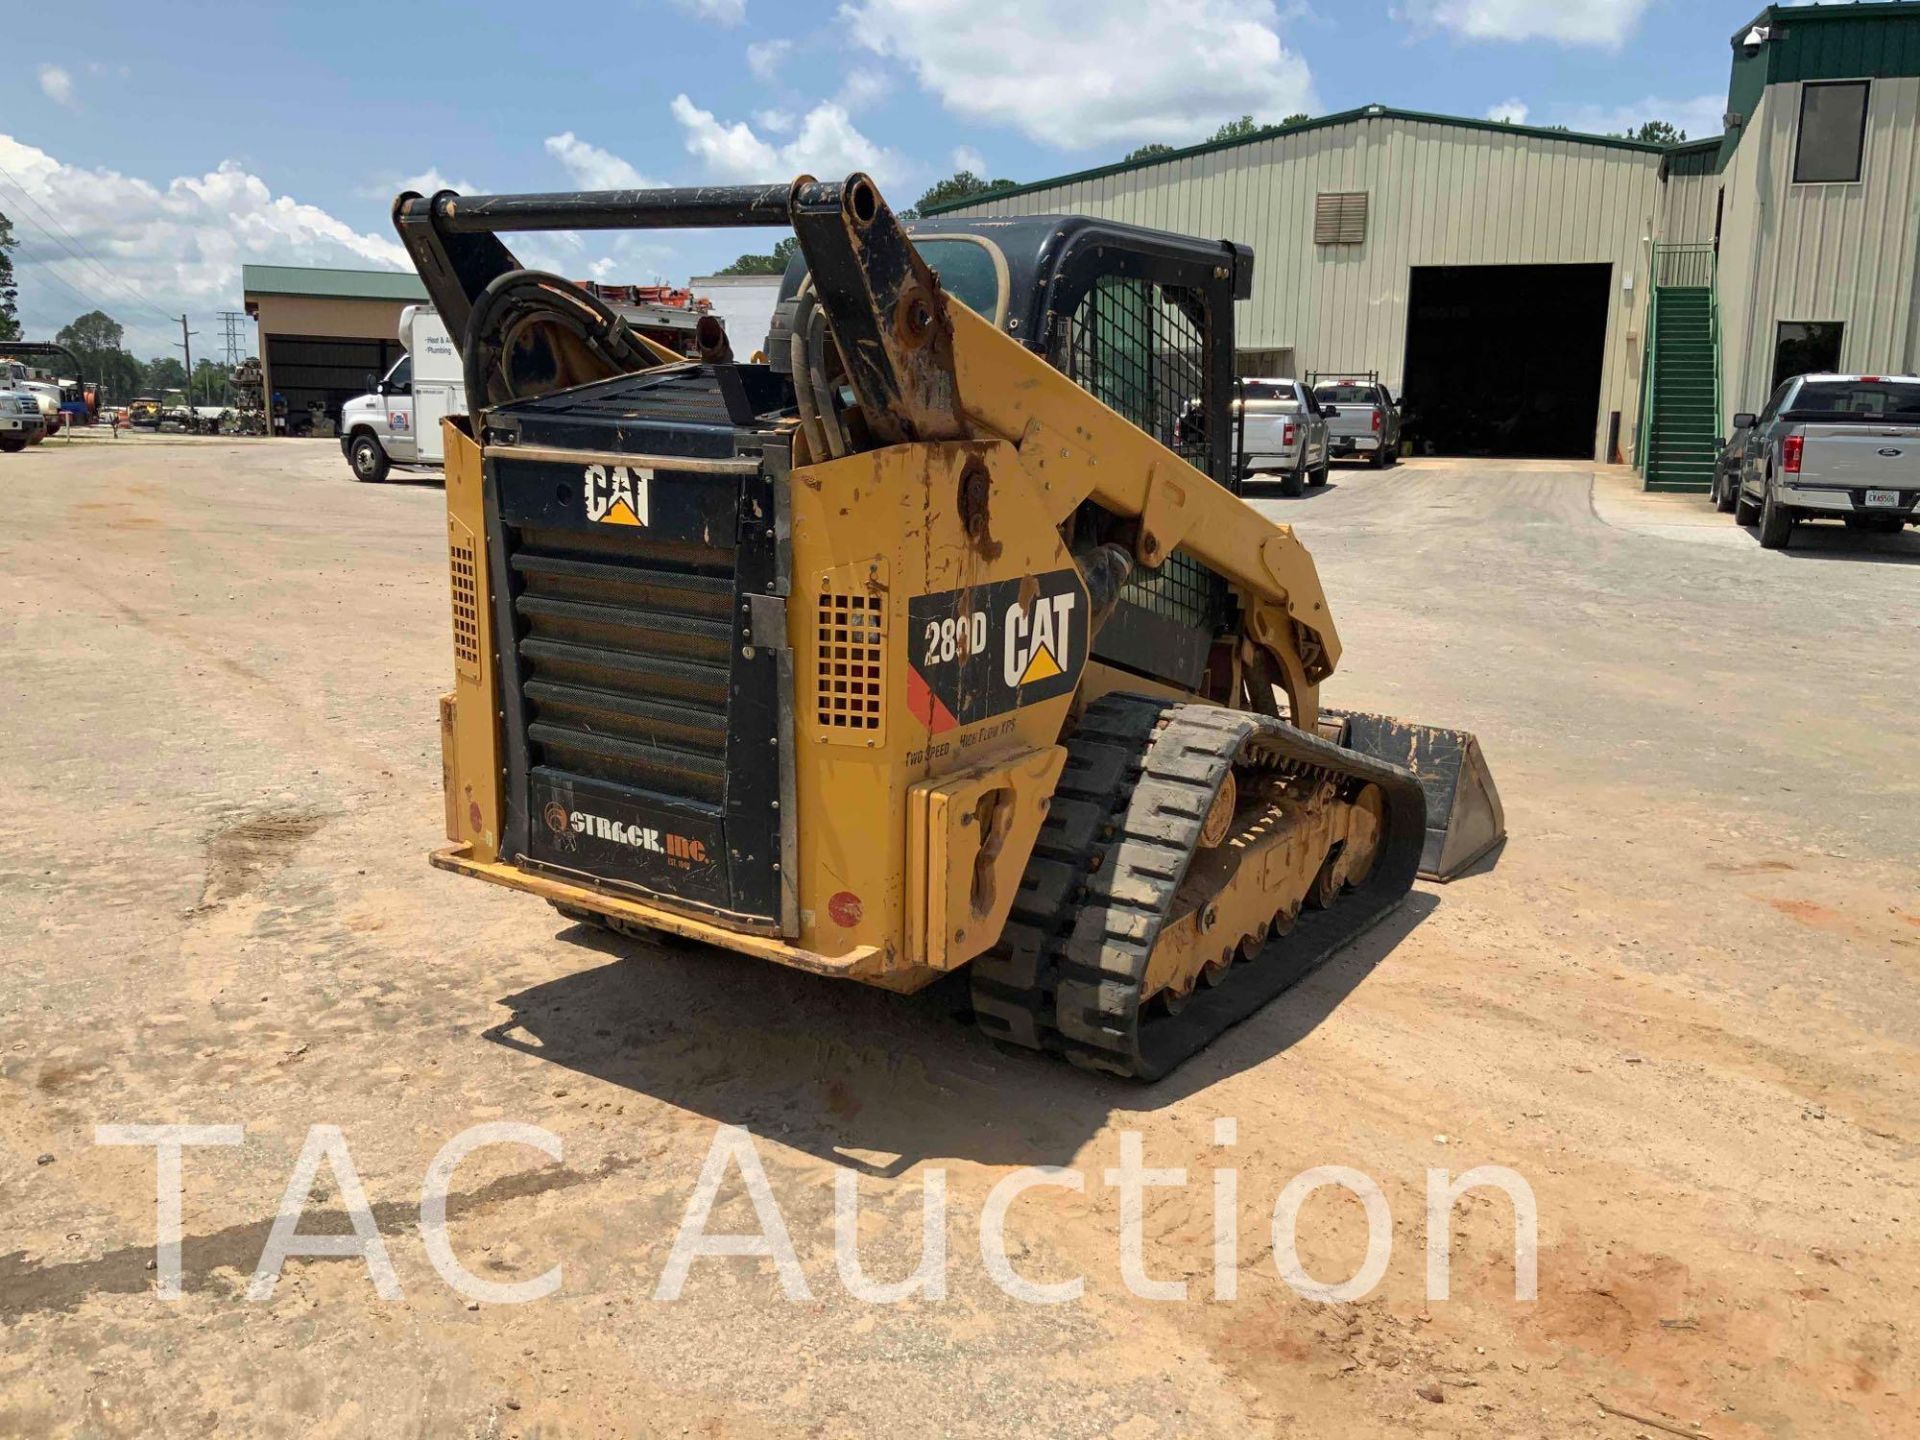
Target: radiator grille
(624,651)
(466,601)
(851,689)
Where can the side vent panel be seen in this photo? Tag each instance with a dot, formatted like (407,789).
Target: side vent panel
(463,559)
(850,655)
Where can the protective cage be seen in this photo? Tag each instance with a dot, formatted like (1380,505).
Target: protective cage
(1143,349)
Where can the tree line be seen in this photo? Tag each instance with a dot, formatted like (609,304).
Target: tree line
(98,341)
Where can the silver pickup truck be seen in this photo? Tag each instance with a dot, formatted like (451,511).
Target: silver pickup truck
(1368,423)
(1279,426)
(1831,447)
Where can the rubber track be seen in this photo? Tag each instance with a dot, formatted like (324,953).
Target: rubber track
(1140,776)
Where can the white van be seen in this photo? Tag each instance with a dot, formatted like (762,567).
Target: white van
(399,423)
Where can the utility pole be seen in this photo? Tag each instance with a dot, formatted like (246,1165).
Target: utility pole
(186,344)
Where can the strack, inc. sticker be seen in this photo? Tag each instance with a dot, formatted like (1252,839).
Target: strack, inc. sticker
(989,649)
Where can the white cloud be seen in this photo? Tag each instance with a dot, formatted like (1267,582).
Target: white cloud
(1699,117)
(1076,75)
(57,85)
(593,168)
(965,157)
(155,250)
(386,185)
(827,145)
(764,56)
(724,12)
(861,87)
(777,122)
(1606,23)
(1514,112)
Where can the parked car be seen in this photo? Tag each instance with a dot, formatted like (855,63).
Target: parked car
(1831,447)
(1280,426)
(1369,421)
(144,411)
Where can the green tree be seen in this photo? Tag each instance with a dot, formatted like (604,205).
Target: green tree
(961,185)
(9,291)
(209,383)
(92,333)
(163,373)
(1146,152)
(95,340)
(1658,132)
(773,264)
(1235,130)
(1299,117)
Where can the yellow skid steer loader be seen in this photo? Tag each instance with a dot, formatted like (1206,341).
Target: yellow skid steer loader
(939,639)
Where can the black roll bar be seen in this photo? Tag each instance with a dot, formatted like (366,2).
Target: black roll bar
(699,207)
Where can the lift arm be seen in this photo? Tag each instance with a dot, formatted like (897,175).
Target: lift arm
(927,370)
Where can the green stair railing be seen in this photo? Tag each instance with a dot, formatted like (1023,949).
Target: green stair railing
(1669,456)
(1643,445)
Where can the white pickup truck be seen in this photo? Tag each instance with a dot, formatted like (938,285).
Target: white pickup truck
(1832,447)
(399,423)
(1279,426)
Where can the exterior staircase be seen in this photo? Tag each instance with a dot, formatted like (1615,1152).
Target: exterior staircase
(1680,415)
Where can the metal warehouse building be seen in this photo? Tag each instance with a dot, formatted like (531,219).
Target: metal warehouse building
(322,332)
(1537,292)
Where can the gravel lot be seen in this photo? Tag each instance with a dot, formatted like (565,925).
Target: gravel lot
(1681,1005)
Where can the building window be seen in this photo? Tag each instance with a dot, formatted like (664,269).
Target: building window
(1340,218)
(1805,347)
(1833,132)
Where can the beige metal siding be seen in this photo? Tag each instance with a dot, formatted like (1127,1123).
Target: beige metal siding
(1437,195)
(1687,204)
(1842,252)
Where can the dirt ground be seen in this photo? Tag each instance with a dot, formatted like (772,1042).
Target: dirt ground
(1681,1005)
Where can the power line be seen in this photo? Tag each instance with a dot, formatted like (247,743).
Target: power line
(85,260)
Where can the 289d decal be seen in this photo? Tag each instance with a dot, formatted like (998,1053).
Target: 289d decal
(988,649)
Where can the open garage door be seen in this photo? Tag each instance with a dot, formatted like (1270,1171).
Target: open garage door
(309,371)
(1506,359)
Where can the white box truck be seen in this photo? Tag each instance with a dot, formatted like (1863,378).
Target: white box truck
(399,422)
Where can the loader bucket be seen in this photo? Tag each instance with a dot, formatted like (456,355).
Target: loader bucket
(1464,818)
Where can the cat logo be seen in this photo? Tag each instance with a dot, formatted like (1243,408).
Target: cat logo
(616,494)
(1038,638)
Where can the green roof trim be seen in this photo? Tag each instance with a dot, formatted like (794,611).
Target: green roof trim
(316,283)
(1693,157)
(1322,122)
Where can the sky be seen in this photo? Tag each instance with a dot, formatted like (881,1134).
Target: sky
(142,163)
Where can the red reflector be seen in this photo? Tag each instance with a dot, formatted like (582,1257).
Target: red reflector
(1287,436)
(1790,453)
(1869,379)
(1376,420)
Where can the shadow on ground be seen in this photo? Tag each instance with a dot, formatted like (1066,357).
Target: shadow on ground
(1835,542)
(862,1077)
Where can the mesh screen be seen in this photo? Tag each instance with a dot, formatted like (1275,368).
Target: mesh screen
(466,601)
(1132,346)
(852,644)
(1129,344)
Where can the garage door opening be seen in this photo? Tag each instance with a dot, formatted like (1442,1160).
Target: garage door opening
(314,375)
(1505,359)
